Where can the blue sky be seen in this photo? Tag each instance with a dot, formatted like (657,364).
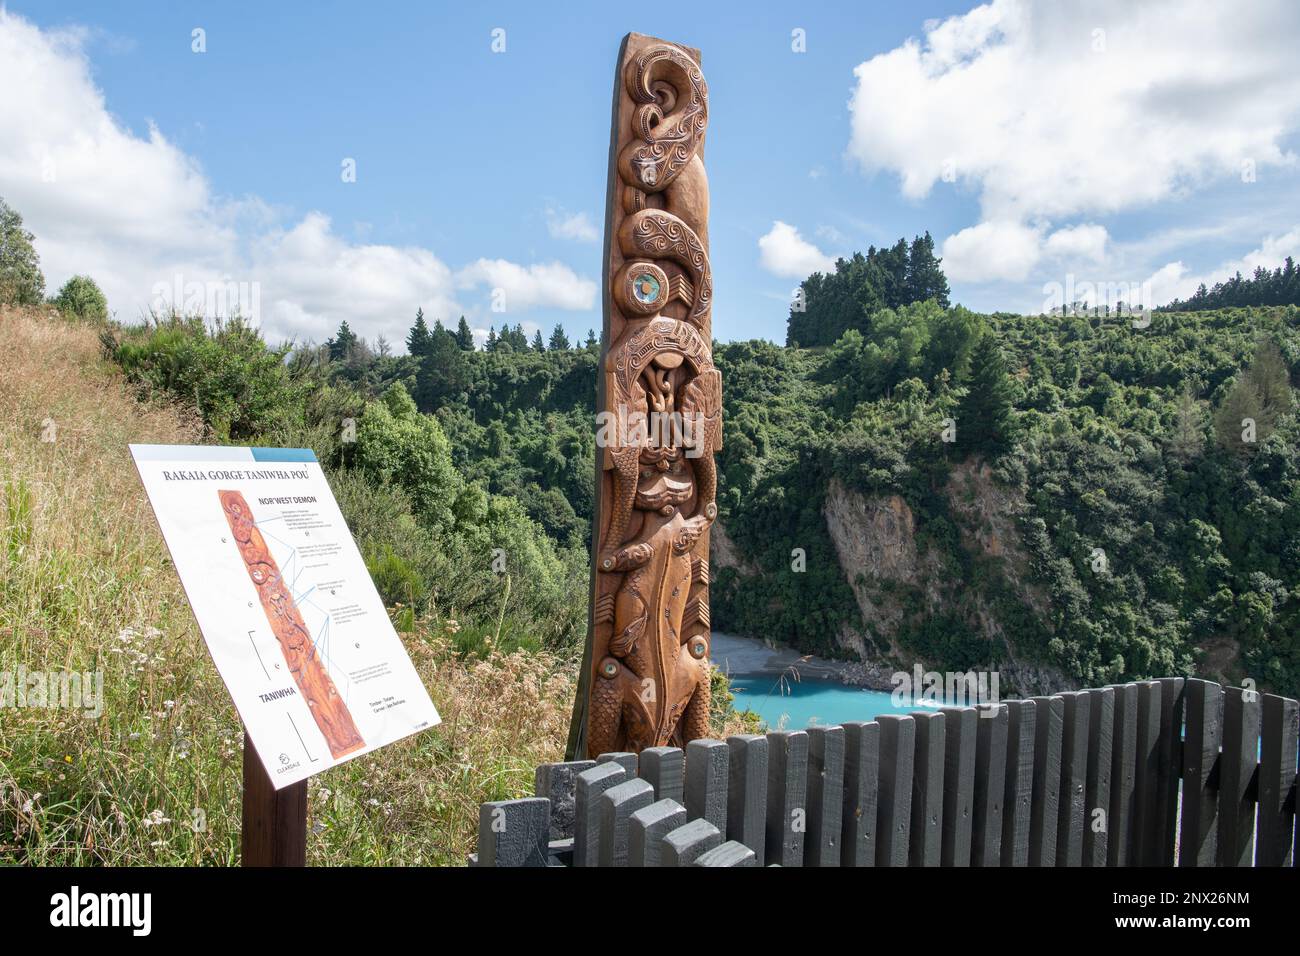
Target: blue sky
(1033,148)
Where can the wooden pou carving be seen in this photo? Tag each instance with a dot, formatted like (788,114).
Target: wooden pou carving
(328,709)
(646,681)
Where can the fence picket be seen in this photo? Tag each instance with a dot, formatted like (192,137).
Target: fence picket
(589,785)
(825,796)
(960,731)
(988,810)
(894,799)
(647,828)
(514,832)
(1045,805)
(1169,771)
(1096,816)
(1237,769)
(1275,839)
(706,781)
(1123,776)
(1146,835)
(556,782)
(787,773)
(730,853)
(625,759)
(617,804)
(1203,704)
(861,771)
(1074,772)
(747,792)
(927,790)
(690,841)
(1018,797)
(664,768)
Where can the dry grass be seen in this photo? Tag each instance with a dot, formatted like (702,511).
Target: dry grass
(87,585)
(155,779)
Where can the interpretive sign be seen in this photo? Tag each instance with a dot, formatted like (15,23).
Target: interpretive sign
(285,603)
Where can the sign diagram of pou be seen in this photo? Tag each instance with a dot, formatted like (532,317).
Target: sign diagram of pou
(285,603)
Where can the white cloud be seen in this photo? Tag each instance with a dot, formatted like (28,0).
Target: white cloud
(783,252)
(1085,243)
(138,214)
(552,284)
(576,226)
(311,280)
(128,210)
(990,251)
(1055,111)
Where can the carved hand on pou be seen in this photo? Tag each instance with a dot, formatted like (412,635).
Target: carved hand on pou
(624,559)
(690,532)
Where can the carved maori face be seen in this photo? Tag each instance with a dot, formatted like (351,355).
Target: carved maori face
(665,485)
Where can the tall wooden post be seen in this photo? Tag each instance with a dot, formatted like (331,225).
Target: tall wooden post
(645,675)
(274,821)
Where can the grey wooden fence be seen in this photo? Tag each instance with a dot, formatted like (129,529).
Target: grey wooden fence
(1156,773)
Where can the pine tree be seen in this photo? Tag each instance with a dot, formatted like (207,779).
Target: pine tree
(538,344)
(442,373)
(343,343)
(419,338)
(1260,395)
(592,342)
(1188,438)
(891,274)
(925,280)
(829,304)
(985,419)
(559,341)
(464,337)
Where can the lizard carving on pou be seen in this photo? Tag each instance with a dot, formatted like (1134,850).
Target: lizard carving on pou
(649,679)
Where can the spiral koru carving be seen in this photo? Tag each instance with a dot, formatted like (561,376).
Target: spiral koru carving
(649,679)
(669,120)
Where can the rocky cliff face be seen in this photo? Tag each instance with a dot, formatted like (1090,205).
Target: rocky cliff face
(723,552)
(875,541)
(903,585)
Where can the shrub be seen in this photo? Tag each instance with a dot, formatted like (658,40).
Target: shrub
(240,386)
(80,298)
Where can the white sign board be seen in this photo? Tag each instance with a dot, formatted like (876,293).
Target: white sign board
(285,603)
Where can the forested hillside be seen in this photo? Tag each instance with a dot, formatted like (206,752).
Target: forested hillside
(1070,499)
(1094,516)
(1279,287)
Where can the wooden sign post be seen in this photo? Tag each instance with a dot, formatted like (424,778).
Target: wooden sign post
(274,821)
(645,677)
